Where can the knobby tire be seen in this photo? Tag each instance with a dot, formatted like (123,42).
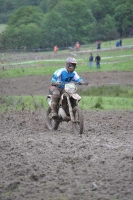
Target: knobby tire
(52,124)
(77,112)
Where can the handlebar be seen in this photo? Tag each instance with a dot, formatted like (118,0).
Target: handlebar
(57,84)
(62,84)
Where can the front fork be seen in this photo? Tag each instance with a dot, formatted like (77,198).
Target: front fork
(70,109)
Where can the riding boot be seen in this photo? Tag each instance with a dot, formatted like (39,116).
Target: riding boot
(54,106)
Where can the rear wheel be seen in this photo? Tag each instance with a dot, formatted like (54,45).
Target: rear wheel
(77,125)
(52,124)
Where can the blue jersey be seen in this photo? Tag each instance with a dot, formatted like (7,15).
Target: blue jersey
(63,76)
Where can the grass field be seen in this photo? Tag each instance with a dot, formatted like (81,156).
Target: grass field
(87,103)
(47,68)
(108,44)
(117,60)
(94,98)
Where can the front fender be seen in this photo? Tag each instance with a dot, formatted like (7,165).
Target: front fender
(76,97)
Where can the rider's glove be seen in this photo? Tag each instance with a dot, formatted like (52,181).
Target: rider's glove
(53,83)
(56,83)
(84,83)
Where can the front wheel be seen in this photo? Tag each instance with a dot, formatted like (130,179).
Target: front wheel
(52,124)
(78,124)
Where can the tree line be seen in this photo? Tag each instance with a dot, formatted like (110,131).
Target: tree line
(44,23)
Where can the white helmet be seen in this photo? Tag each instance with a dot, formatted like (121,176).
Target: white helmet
(71,63)
(71,60)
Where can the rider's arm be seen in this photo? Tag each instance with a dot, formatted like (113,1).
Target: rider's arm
(79,80)
(56,77)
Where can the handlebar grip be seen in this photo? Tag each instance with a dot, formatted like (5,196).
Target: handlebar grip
(57,83)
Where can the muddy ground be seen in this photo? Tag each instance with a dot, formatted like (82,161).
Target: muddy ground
(37,164)
(38,85)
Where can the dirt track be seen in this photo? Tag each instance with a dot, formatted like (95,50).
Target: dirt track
(38,85)
(37,164)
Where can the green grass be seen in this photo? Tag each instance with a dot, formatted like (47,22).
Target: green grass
(87,103)
(104,97)
(118,60)
(108,91)
(21,103)
(49,58)
(18,72)
(82,67)
(106,103)
(107,98)
(108,44)
(105,57)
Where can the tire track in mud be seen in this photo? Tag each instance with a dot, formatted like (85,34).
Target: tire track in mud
(41,164)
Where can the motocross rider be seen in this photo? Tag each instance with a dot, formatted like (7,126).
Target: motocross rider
(62,76)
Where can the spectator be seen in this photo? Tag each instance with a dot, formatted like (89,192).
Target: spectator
(55,49)
(77,45)
(97,60)
(99,44)
(117,43)
(91,60)
(120,42)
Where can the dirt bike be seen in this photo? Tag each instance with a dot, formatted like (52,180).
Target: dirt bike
(68,110)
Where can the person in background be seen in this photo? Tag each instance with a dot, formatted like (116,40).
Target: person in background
(63,75)
(117,43)
(55,49)
(97,60)
(120,42)
(77,46)
(91,60)
(99,44)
